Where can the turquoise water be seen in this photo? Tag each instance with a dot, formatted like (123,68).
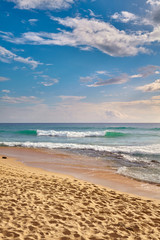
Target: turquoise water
(135,147)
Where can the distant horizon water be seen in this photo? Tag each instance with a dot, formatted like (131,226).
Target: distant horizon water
(134,148)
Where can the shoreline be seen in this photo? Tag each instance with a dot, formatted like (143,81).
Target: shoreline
(83,168)
(36,204)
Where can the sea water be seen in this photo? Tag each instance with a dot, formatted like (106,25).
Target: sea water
(134,149)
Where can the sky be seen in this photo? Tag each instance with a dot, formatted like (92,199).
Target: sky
(80,61)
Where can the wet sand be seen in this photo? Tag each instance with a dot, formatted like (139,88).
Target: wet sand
(89,169)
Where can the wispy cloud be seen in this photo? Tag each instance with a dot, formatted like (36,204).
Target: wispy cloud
(22,99)
(72,98)
(99,79)
(115,80)
(92,14)
(152,87)
(48,81)
(8,56)
(2,79)
(32,21)
(5,91)
(149,70)
(17,50)
(42,4)
(102,72)
(136,76)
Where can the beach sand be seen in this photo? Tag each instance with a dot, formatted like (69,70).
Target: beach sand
(36,204)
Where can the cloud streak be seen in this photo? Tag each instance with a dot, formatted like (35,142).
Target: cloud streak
(5,91)
(72,98)
(152,87)
(98,78)
(48,81)
(42,4)
(8,56)
(22,99)
(3,79)
(123,78)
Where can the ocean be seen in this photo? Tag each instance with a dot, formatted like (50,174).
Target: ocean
(132,150)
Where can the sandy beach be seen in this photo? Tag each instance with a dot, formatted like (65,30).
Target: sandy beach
(36,204)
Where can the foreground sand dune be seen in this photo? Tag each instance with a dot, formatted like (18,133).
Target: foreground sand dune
(35,204)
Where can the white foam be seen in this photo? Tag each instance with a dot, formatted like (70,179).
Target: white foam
(140,174)
(149,149)
(132,158)
(70,134)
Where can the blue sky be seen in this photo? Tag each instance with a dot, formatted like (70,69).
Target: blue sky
(80,61)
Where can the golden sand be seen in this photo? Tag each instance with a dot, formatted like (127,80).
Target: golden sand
(35,204)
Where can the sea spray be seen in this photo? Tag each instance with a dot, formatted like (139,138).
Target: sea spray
(147,150)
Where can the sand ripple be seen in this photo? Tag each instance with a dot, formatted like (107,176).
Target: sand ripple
(38,205)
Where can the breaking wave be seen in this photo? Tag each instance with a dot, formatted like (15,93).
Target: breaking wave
(73,134)
(153,149)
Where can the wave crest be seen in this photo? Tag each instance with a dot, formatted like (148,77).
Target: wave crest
(71,134)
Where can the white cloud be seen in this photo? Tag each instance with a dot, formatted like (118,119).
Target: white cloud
(42,4)
(136,76)
(102,72)
(32,21)
(92,14)
(154,2)
(48,80)
(128,17)
(72,98)
(5,91)
(152,87)
(124,16)
(2,79)
(90,33)
(7,56)
(22,99)
(155,11)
